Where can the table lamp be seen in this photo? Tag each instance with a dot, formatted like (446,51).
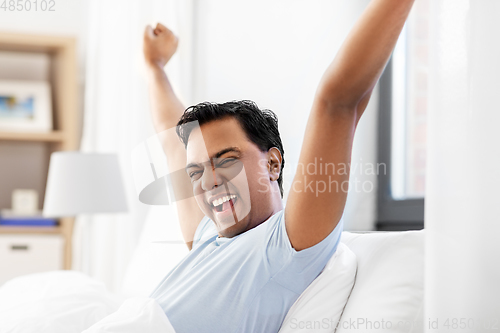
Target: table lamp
(83,183)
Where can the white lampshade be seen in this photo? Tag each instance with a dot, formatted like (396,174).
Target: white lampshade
(82,183)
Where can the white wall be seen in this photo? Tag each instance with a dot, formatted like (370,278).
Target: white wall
(68,18)
(275,52)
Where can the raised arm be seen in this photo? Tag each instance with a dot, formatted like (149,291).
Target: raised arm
(351,77)
(316,201)
(160,45)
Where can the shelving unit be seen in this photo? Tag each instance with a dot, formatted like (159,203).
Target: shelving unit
(31,230)
(54,136)
(63,79)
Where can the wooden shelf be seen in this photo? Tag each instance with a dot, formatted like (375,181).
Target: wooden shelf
(29,230)
(55,136)
(34,43)
(62,75)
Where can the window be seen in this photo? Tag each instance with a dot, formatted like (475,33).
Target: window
(403,127)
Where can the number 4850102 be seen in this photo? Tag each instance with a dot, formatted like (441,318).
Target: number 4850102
(28,5)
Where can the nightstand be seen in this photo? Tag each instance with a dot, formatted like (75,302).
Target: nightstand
(26,253)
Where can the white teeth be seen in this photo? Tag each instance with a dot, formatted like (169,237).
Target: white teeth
(220,201)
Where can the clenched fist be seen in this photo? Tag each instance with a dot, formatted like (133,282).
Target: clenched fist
(160,45)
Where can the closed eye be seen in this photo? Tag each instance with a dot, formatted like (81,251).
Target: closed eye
(226,161)
(219,163)
(194,173)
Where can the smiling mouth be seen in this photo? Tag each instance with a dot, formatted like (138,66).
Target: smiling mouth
(224,204)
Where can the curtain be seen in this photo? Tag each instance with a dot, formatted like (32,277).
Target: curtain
(463,175)
(117,118)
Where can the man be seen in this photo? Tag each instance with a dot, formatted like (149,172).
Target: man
(250,259)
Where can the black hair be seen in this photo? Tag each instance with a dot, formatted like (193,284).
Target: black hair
(260,126)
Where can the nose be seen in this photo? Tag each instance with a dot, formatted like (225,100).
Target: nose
(210,179)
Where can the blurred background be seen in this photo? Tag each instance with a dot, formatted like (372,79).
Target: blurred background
(271,52)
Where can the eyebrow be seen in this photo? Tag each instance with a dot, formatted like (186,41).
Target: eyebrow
(216,155)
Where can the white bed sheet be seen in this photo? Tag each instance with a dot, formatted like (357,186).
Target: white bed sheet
(72,302)
(54,302)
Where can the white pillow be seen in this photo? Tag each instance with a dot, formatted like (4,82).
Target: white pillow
(319,307)
(55,302)
(388,294)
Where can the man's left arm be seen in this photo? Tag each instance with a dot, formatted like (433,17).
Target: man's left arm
(316,201)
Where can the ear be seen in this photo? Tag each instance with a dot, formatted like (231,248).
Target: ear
(274,159)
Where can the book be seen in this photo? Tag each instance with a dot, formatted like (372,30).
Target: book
(10,218)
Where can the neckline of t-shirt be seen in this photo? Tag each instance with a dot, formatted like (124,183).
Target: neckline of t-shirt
(223,240)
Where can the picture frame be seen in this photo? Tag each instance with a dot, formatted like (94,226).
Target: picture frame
(25,106)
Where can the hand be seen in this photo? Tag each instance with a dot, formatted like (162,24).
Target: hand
(160,45)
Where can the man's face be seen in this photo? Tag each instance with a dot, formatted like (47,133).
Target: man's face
(223,164)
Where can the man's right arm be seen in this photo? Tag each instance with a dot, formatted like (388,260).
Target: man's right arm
(160,45)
